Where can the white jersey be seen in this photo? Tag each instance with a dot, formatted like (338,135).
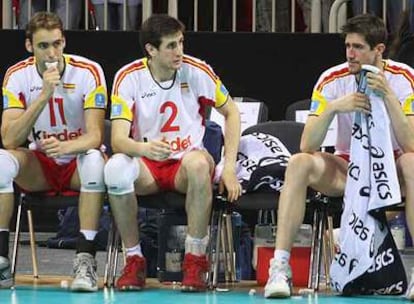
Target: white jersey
(172,111)
(338,81)
(82,87)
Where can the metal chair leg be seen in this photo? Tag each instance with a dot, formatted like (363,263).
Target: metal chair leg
(117,240)
(17,236)
(217,250)
(109,252)
(317,249)
(330,252)
(210,251)
(230,248)
(313,250)
(32,244)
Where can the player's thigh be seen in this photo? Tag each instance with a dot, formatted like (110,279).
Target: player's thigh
(405,170)
(30,176)
(145,183)
(329,174)
(198,162)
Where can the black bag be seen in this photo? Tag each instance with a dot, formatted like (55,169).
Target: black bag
(68,232)
(213,140)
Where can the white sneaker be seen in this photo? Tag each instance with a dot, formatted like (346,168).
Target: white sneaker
(6,280)
(84,268)
(410,290)
(279,284)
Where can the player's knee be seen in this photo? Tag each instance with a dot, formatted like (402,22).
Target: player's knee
(91,168)
(301,162)
(9,170)
(198,168)
(120,173)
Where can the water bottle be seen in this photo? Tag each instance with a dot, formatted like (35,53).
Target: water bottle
(397,228)
(173,260)
(175,248)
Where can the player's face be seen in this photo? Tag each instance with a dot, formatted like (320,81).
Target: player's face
(170,51)
(47,46)
(359,52)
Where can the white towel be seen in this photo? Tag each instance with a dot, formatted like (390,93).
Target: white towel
(261,162)
(372,183)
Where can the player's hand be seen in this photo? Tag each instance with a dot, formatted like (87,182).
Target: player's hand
(352,102)
(52,147)
(230,183)
(51,79)
(157,150)
(378,83)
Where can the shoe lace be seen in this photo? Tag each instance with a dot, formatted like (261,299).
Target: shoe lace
(278,273)
(83,268)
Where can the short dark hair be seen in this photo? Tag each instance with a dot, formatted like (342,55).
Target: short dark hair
(156,27)
(371,27)
(43,20)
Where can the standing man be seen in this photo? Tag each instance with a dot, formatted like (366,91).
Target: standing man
(57,102)
(335,94)
(158,106)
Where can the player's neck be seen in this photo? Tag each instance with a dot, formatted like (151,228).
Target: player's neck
(159,73)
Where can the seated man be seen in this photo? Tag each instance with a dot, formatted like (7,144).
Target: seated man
(335,94)
(56,101)
(157,111)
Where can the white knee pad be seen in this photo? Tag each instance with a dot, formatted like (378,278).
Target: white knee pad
(121,171)
(91,168)
(9,170)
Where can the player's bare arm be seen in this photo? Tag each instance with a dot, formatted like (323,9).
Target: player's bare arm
(17,123)
(122,143)
(231,143)
(317,126)
(403,125)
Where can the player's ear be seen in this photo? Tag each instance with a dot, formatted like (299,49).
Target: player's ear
(28,45)
(150,49)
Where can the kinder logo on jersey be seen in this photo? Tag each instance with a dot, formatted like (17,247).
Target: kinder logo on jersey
(62,136)
(116,110)
(179,144)
(100,100)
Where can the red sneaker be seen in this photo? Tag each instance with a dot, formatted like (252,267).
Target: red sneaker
(194,273)
(133,274)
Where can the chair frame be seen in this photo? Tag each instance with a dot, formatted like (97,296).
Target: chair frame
(223,240)
(26,202)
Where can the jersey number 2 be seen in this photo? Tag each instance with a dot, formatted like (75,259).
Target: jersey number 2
(59,102)
(168,126)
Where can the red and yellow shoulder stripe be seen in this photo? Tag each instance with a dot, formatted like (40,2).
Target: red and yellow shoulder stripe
(18,66)
(127,70)
(332,76)
(200,65)
(85,65)
(397,69)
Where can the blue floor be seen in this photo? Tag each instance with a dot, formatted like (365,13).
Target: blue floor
(51,295)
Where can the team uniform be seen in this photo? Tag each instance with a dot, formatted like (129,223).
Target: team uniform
(171,111)
(82,87)
(338,81)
